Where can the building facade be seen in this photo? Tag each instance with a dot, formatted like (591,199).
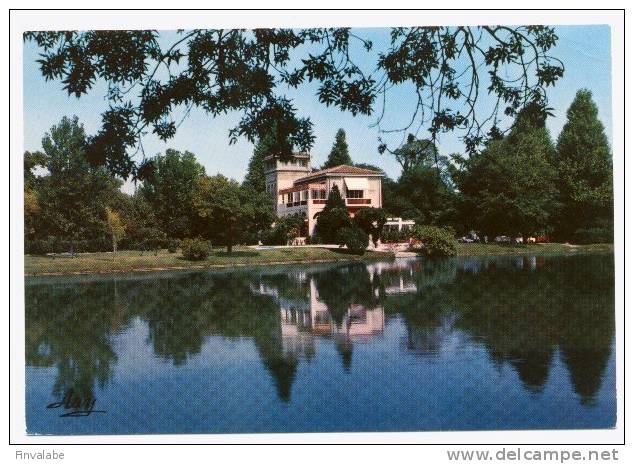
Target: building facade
(295,188)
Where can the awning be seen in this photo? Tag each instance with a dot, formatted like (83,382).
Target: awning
(356,183)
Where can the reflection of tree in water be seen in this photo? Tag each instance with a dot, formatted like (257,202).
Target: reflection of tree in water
(586,345)
(70,327)
(342,286)
(344,348)
(222,304)
(281,365)
(522,317)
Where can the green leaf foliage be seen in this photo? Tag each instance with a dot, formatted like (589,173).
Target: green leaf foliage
(245,72)
(71,195)
(510,188)
(168,189)
(354,238)
(333,218)
(339,152)
(229,213)
(371,221)
(195,249)
(434,242)
(584,171)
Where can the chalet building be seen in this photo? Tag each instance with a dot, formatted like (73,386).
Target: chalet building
(295,188)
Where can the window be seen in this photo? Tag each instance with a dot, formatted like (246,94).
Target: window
(304,195)
(319,194)
(354,193)
(303,163)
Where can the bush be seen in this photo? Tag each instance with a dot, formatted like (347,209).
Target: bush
(285,230)
(330,223)
(195,249)
(173,245)
(593,235)
(354,238)
(434,242)
(371,221)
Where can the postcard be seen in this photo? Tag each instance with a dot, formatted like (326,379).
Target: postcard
(319,229)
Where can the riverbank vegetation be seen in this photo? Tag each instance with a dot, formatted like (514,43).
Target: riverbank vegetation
(520,184)
(128,261)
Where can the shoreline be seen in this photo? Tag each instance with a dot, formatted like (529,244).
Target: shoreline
(244,257)
(199,266)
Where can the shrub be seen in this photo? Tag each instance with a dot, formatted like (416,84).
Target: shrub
(172,245)
(333,218)
(330,222)
(285,230)
(434,241)
(371,221)
(354,238)
(195,249)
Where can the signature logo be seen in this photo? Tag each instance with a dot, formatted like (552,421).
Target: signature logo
(80,407)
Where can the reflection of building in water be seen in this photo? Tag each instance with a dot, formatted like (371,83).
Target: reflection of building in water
(305,316)
(315,318)
(397,276)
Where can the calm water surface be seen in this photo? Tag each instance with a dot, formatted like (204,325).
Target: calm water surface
(463,344)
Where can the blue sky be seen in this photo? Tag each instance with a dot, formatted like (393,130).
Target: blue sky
(585,51)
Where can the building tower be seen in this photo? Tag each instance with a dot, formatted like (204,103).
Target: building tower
(281,174)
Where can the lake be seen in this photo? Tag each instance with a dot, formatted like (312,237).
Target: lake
(460,344)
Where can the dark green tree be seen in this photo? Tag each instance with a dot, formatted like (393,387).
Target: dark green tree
(332,218)
(510,188)
(228,212)
(227,70)
(137,215)
(72,195)
(339,152)
(32,207)
(427,196)
(255,177)
(168,189)
(415,153)
(584,169)
(371,221)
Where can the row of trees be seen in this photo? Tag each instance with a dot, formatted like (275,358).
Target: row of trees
(521,183)
(73,206)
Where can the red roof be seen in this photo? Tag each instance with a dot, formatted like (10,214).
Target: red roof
(341,169)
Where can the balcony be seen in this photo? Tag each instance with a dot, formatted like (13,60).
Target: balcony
(296,203)
(358,201)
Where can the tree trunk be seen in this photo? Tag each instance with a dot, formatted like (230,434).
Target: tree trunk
(114,245)
(229,247)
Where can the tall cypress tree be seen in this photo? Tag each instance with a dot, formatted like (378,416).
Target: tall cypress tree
(255,178)
(584,167)
(339,152)
(333,218)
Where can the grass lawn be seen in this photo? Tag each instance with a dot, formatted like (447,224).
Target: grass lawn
(125,261)
(478,249)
